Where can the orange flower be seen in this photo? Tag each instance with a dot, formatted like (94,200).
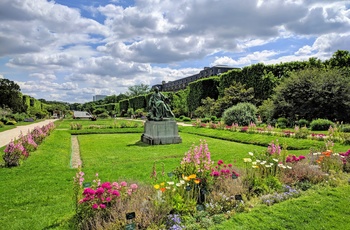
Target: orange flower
(193,176)
(197,181)
(162,189)
(327,153)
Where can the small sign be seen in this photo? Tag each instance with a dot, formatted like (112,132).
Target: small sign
(87,184)
(170,174)
(200,207)
(188,188)
(131,226)
(238,197)
(130,215)
(234,176)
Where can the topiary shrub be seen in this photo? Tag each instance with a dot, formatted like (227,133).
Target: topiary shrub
(303,123)
(103,115)
(242,113)
(321,124)
(11,122)
(282,123)
(186,119)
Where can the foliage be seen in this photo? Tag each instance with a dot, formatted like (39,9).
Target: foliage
(321,124)
(266,110)
(137,90)
(179,103)
(11,96)
(242,113)
(282,122)
(327,93)
(303,123)
(234,94)
(18,150)
(201,89)
(301,132)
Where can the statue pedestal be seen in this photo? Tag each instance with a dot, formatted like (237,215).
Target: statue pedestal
(161,133)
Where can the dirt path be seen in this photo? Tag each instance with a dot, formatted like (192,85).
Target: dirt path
(9,135)
(75,161)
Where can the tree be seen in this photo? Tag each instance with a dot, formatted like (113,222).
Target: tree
(11,96)
(314,93)
(179,103)
(137,90)
(340,59)
(234,94)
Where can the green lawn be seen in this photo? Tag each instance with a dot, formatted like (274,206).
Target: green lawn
(38,194)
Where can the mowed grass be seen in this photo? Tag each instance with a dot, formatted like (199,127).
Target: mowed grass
(124,156)
(38,194)
(322,208)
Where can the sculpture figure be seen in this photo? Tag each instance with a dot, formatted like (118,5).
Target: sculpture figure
(159,109)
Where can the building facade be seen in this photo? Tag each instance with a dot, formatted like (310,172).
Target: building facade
(183,82)
(98,97)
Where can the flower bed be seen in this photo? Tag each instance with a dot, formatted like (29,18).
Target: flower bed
(20,149)
(199,192)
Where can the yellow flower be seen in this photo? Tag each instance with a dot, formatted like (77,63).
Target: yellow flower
(247,160)
(196,181)
(185,177)
(156,186)
(162,184)
(193,176)
(255,166)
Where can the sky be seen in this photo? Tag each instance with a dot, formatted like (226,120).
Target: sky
(71,50)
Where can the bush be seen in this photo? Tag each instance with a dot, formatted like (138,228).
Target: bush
(303,123)
(345,129)
(205,120)
(11,122)
(4,120)
(213,118)
(103,115)
(282,122)
(1,124)
(242,113)
(321,125)
(186,119)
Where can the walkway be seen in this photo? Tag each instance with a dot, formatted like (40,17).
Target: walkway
(9,135)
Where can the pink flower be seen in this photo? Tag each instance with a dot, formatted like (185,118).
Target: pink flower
(301,157)
(102,206)
(220,162)
(123,184)
(133,186)
(229,165)
(108,199)
(95,206)
(115,193)
(106,185)
(215,174)
(129,191)
(89,191)
(99,191)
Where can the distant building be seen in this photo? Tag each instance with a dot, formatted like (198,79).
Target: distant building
(183,82)
(81,115)
(98,97)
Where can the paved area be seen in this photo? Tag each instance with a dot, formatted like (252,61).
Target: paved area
(9,135)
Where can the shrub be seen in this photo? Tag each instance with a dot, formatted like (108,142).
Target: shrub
(242,113)
(321,124)
(11,122)
(346,129)
(303,123)
(205,120)
(103,115)
(186,119)
(282,122)
(301,132)
(213,118)
(1,124)
(4,120)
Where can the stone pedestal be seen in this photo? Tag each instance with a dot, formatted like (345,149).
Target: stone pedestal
(161,133)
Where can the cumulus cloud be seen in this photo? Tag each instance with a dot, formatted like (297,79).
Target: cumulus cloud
(64,53)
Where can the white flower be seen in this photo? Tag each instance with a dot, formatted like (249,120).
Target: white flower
(263,162)
(271,164)
(178,184)
(274,159)
(268,166)
(167,188)
(182,181)
(170,182)
(247,160)
(314,154)
(250,153)
(254,163)
(283,166)
(289,167)
(258,161)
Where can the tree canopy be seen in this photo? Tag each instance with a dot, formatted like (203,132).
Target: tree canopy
(10,96)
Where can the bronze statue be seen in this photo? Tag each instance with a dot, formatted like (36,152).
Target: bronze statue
(159,108)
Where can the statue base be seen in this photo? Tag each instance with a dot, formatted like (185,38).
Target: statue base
(161,133)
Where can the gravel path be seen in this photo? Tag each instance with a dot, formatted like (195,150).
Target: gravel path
(9,135)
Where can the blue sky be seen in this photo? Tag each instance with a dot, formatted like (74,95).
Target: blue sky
(71,50)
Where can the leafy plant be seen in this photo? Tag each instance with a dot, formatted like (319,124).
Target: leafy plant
(242,113)
(321,124)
